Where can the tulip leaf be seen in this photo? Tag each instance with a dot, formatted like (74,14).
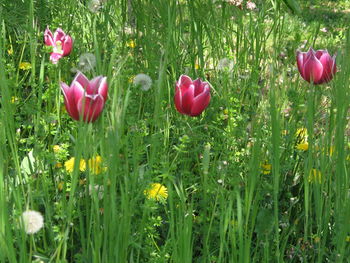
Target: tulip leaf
(293,5)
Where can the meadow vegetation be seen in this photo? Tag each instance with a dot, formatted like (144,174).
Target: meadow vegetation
(258,175)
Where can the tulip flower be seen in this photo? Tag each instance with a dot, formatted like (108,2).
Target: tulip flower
(60,42)
(316,67)
(85,98)
(191,97)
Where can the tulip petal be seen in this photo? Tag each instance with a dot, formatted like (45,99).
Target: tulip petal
(78,91)
(55,57)
(300,62)
(313,69)
(187,100)
(184,83)
(201,102)
(48,38)
(82,79)
(198,86)
(103,88)
(69,101)
(67,45)
(178,101)
(90,106)
(58,35)
(328,68)
(319,53)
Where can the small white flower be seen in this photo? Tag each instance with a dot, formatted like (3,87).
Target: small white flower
(87,62)
(251,5)
(143,80)
(225,64)
(95,5)
(33,221)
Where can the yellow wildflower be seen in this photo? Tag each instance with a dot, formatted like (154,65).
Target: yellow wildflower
(10,51)
(266,168)
(131,79)
(157,192)
(196,66)
(315,176)
(70,165)
(56,148)
(14,99)
(131,44)
(95,165)
(303,146)
(58,165)
(25,66)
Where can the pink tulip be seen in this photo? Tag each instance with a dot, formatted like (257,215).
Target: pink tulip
(85,98)
(191,97)
(316,67)
(60,42)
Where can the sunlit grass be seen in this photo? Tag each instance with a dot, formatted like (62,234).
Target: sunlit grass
(261,175)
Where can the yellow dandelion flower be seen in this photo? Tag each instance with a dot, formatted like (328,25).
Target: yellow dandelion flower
(303,146)
(266,168)
(25,66)
(131,79)
(70,165)
(14,99)
(156,192)
(131,44)
(315,176)
(95,165)
(225,111)
(10,51)
(56,148)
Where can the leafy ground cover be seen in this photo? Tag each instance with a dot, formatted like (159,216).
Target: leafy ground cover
(261,175)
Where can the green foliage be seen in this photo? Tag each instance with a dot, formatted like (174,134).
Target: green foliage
(235,185)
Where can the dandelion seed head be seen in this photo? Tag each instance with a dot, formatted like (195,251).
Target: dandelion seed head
(33,221)
(143,80)
(225,64)
(87,62)
(95,5)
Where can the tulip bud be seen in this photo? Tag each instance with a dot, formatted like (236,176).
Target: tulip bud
(191,97)
(85,98)
(60,42)
(316,67)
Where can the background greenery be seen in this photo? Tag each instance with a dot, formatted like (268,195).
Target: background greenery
(238,188)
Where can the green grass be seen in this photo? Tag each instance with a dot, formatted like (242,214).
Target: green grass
(222,206)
